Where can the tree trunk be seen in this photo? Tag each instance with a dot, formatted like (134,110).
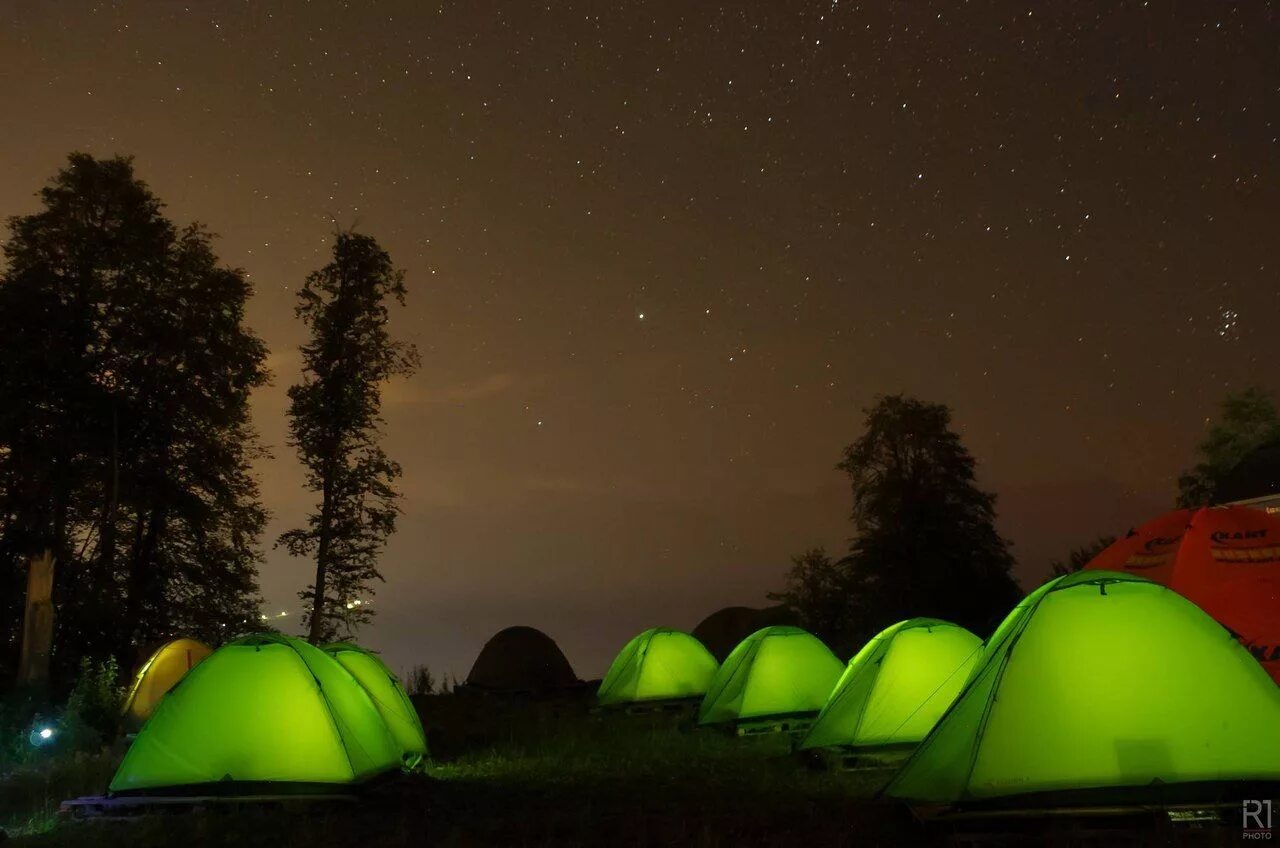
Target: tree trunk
(316,633)
(37,623)
(147,530)
(107,532)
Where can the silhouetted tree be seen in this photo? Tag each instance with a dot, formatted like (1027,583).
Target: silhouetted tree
(1248,420)
(925,541)
(125,440)
(335,422)
(823,594)
(1079,557)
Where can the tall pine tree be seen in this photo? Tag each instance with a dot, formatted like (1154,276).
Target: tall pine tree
(335,425)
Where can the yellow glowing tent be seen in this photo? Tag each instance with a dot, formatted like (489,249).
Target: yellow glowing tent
(167,666)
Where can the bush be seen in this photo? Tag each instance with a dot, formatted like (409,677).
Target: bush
(92,715)
(420,681)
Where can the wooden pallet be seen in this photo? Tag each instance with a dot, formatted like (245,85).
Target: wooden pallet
(862,763)
(1089,826)
(131,807)
(672,707)
(794,725)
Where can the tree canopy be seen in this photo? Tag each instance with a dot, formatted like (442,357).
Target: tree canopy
(335,424)
(1079,557)
(125,440)
(924,543)
(1248,419)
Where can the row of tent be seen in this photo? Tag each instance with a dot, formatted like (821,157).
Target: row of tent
(1224,559)
(1116,681)
(524,660)
(1098,683)
(266,708)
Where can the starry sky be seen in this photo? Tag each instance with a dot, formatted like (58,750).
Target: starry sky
(661,254)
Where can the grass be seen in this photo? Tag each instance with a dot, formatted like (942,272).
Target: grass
(535,774)
(518,774)
(30,793)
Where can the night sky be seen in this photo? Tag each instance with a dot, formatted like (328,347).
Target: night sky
(660,256)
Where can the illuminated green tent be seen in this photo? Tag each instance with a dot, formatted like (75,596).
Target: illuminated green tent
(1101,686)
(660,664)
(897,687)
(775,673)
(388,696)
(263,709)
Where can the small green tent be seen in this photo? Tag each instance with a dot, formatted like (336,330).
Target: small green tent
(775,673)
(388,696)
(266,708)
(724,629)
(1101,686)
(660,664)
(897,687)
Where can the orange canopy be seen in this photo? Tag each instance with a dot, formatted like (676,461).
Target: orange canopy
(1226,560)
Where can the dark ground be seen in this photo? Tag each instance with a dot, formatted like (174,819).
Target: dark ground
(524,773)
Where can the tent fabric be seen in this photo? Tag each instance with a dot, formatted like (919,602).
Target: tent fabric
(162,670)
(897,687)
(1226,560)
(264,708)
(388,696)
(521,659)
(776,671)
(660,664)
(1097,684)
(724,629)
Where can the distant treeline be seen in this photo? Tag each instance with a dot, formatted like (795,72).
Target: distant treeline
(924,540)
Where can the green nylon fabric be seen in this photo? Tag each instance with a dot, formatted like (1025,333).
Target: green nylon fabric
(1101,680)
(388,696)
(775,671)
(898,686)
(263,708)
(659,664)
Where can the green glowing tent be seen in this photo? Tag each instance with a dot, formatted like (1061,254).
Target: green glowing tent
(388,696)
(775,673)
(897,687)
(263,709)
(1106,687)
(658,665)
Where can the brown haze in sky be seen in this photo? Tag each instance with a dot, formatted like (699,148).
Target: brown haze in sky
(1059,223)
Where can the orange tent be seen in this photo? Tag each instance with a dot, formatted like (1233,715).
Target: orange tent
(1226,560)
(159,674)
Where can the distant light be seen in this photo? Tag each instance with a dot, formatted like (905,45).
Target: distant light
(641,316)
(40,736)
(46,733)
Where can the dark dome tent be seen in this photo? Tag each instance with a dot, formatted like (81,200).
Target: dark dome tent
(725,629)
(521,660)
